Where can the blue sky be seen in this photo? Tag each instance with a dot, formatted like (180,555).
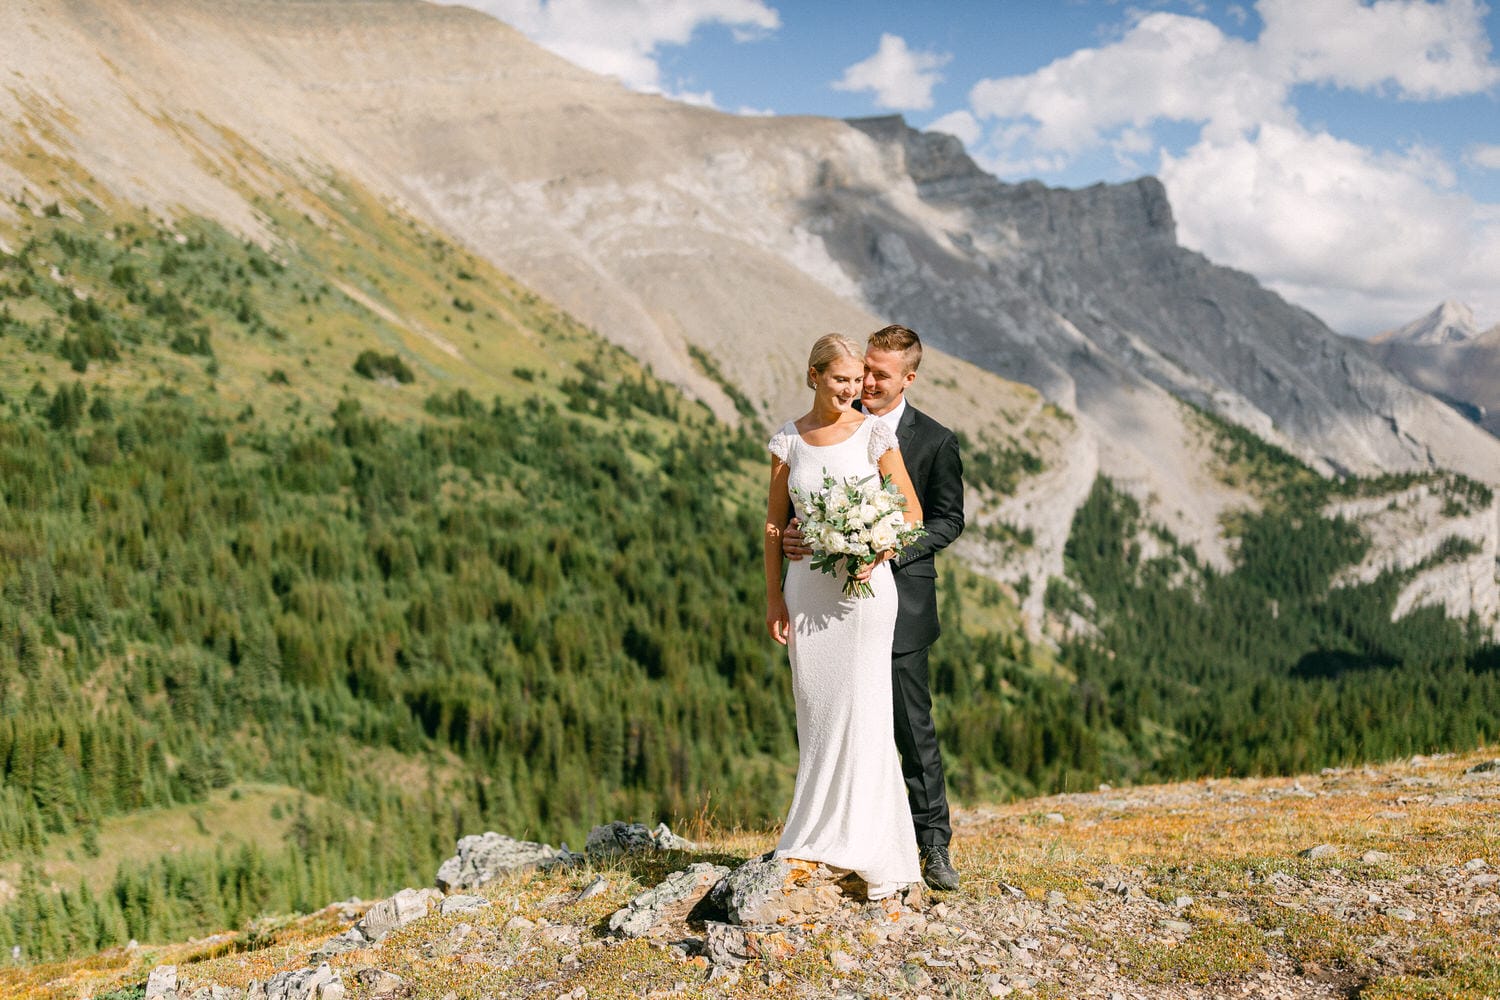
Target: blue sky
(1346,152)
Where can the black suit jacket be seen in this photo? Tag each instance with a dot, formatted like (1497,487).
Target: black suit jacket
(930,452)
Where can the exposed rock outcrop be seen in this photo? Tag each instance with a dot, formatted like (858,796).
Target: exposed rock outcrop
(1336,864)
(479,858)
(1444,533)
(673,899)
(397,911)
(320,983)
(620,837)
(779,892)
(161,984)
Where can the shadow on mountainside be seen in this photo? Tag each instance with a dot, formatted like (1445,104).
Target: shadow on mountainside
(1333,663)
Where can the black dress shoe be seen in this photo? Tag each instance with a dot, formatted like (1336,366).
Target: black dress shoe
(937,870)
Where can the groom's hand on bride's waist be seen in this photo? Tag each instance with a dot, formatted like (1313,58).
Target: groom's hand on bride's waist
(793,545)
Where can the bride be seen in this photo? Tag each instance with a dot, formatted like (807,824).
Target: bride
(849,807)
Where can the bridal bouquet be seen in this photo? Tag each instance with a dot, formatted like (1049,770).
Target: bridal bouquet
(850,523)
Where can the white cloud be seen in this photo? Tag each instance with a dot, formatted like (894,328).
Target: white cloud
(620,38)
(1362,237)
(1426,50)
(900,78)
(1166,67)
(1485,156)
(958,123)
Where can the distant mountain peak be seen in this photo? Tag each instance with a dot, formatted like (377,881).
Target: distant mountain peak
(1450,323)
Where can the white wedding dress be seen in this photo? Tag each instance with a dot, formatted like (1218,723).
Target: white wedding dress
(849,808)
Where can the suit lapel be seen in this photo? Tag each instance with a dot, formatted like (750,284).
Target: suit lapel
(906,427)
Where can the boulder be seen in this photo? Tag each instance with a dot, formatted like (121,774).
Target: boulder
(398,911)
(340,944)
(779,891)
(672,900)
(378,982)
(666,840)
(728,945)
(479,859)
(620,837)
(321,983)
(565,858)
(214,991)
(162,983)
(1319,852)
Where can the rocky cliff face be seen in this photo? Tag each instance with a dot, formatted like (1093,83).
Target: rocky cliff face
(1087,295)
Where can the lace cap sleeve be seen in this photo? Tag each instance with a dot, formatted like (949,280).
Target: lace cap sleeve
(882,439)
(780,444)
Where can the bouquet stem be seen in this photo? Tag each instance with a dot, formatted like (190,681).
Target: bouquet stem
(857,588)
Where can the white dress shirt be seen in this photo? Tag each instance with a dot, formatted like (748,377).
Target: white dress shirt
(892,417)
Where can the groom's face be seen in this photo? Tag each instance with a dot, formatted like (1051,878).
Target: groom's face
(886,379)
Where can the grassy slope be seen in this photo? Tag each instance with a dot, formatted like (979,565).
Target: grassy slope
(249,813)
(355,275)
(343,274)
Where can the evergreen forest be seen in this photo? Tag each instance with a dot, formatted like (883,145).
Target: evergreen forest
(286,585)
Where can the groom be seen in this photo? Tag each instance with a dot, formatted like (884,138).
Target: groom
(930,452)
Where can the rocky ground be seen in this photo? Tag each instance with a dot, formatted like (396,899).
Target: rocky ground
(1372,882)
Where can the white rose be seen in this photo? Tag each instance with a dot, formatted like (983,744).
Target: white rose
(867,514)
(883,536)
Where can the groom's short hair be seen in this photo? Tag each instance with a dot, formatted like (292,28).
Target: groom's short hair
(898,338)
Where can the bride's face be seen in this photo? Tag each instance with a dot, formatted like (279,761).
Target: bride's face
(840,383)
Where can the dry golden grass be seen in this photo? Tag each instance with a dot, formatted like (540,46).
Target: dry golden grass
(1224,843)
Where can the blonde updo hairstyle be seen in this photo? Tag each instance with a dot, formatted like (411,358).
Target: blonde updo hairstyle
(828,349)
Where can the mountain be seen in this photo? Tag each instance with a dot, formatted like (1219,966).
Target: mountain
(1087,295)
(714,248)
(672,231)
(1445,354)
(1450,323)
(324,540)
